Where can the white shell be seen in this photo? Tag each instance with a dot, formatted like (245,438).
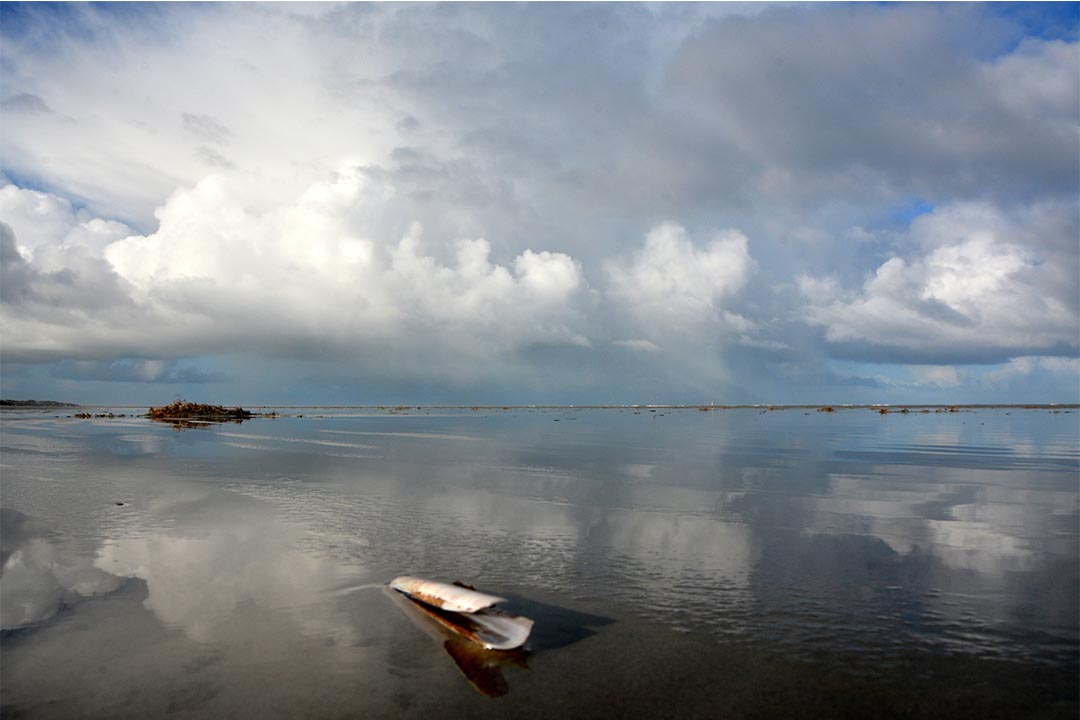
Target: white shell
(443,595)
(501,631)
(490,628)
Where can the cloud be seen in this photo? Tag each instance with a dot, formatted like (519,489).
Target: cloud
(197,583)
(1022,367)
(344,288)
(339,279)
(41,573)
(408,124)
(944,376)
(63,302)
(982,286)
(671,280)
(678,111)
(141,371)
(638,344)
(25,103)
(432,194)
(868,100)
(1038,81)
(205,127)
(213,158)
(41,218)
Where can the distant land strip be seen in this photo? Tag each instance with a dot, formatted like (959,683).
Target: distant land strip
(35,403)
(892,407)
(692,406)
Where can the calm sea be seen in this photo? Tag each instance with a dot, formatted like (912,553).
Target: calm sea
(677,562)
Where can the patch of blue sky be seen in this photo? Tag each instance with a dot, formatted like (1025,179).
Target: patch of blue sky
(28,181)
(903,213)
(1014,24)
(902,375)
(865,370)
(1043,20)
(38,26)
(1022,380)
(18,19)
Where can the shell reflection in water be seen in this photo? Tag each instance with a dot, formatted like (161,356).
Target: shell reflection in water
(480,666)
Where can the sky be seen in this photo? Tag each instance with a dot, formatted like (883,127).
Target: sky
(552,203)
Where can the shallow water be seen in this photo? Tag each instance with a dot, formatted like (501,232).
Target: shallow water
(736,563)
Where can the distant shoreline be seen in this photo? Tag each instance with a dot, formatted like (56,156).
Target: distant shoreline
(36,403)
(630,406)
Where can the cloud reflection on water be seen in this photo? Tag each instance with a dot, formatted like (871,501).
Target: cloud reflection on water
(40,575)
(838,530)
(199,582)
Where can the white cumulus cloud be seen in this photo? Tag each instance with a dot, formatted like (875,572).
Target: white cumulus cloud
(638,344)
(671,279)
(981,285)
(40,218)
(336,275)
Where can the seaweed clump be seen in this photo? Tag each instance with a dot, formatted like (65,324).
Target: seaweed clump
(184,410)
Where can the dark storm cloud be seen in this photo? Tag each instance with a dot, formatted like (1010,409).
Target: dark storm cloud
(16,275)
(915,100)
(25,103)
(80,284)
(134,370)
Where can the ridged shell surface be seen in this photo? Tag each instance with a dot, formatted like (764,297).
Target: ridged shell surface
(444,595)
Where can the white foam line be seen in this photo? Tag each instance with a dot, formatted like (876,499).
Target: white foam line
(270,448)
(353,455)
(421,435)
(354,588)
(330,443)
(248,446)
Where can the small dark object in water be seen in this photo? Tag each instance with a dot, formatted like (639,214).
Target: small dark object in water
(827,408)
